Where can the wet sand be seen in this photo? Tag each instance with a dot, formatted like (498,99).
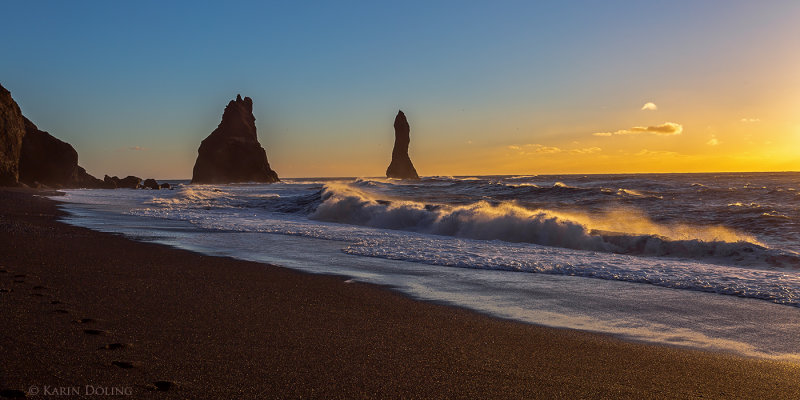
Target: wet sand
(79,308)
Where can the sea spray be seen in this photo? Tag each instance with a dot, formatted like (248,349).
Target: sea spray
(618,231)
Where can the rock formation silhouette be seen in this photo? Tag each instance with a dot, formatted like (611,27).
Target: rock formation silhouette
(232,153)
(128,182)
(46,160)
(34,157)
(401,166)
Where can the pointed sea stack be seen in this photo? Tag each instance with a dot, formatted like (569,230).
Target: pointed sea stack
(232,152)
(401,166)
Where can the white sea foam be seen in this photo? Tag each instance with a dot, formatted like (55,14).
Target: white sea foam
(618,231)
(617,243)
(462,248)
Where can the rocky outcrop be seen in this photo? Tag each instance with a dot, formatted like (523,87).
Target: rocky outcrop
(129,182)
(232,153)
(45,160)
(109,182)
(401,166)
(12,130)
(151,184)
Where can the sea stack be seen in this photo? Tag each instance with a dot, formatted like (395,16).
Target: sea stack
(232,153)
(401,166)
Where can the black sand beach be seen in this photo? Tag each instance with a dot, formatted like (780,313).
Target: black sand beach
(81,308)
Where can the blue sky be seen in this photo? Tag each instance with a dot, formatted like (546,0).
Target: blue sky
(135,86)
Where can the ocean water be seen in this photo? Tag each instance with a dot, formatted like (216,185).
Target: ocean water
(709,261)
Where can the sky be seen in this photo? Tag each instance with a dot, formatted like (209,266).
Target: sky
(499,87)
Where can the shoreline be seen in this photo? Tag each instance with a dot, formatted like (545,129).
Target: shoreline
(220,327)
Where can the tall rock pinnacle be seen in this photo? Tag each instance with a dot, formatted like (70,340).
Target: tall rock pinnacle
(401,166)
(232,153)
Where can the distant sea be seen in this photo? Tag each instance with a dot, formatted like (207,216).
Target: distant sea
(708,261)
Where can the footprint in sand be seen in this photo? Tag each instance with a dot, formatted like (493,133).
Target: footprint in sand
(85,321)
(94,332)
(122,364)
(56,302)
(163,386)
(115,346)
(4,290)
(61,311)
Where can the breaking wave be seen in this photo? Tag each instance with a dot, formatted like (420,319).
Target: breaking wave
(622,231)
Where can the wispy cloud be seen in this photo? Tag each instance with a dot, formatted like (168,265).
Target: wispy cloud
(750,120)
(649,106)
(655,153)
(535,148)
(665,129)
(137,148)
(713,141)
(587,150)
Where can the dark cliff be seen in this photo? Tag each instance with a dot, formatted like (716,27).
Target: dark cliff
(34,157)
(12,130)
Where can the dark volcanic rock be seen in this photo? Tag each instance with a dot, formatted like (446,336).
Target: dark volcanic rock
(232,153)
(109,182)
(165,185)
(151,184)
(48,161)
(12,130)
(129,182)
(45,159)
(82,179)
(401,166)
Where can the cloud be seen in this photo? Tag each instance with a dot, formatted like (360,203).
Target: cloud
(665,129)
(587,150)
(713,141)
(656,153)
(750,120)
(649,106)
(546,149)
(137,148)
(535,148)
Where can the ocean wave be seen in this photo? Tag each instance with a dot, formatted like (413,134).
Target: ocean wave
(775,215)
(621,231)
(766,284)
(521,185)
(193,196)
